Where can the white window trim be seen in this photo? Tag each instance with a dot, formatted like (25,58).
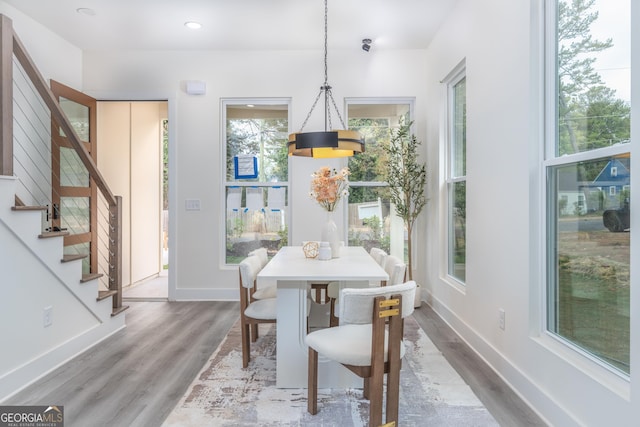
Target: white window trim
(606,375)
(224,102)
(375,101)
(458,73)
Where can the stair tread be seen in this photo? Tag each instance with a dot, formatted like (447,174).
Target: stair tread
(106,294)
(91,276)
(28,208)
(117,311)
(103,294)
(73,257)
(47,234)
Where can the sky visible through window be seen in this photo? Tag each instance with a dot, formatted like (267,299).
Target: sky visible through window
(613,64)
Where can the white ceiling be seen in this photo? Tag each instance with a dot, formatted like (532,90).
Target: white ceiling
(239,24)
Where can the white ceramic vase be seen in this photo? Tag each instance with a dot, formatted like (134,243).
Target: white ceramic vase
(330,234)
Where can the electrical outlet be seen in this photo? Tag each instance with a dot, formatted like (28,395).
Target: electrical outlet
(501,318)
(47,316)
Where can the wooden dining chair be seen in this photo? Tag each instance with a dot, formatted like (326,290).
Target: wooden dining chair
(262,254)
(319,292)
(263,292)
(333,293)
(267,291)
(252,313)
(396,270)
(379,255)
(368,342)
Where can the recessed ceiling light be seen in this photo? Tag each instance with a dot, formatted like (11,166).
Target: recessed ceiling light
(86,11)
(193,25)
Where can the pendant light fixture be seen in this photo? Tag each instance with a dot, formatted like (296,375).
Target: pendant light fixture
(327,143)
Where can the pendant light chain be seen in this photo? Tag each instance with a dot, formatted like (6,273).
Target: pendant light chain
(326,88)
(326,31)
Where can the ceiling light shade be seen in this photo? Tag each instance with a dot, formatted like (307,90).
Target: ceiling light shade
(330,142)
(337,143)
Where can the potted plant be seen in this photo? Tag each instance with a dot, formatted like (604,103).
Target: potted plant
(407,178)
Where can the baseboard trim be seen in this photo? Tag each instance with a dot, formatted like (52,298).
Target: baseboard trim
(197,294)
(519,381)
(23,376)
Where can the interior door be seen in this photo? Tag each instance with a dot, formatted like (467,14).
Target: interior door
(74,195)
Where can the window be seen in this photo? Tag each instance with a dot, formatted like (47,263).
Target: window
(456,180)
(588,168)
(256,176)
(372,222)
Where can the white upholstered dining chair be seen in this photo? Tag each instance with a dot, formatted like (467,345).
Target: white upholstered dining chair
(252,313)
(379,255)
(395,269)
(368,342)
(266,291)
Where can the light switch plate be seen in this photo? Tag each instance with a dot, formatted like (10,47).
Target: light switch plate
(192,204)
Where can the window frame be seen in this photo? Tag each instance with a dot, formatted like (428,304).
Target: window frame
(550,160)
(397,221)
(225,184)
(450,82)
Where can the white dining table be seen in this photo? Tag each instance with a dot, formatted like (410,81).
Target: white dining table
(292,272)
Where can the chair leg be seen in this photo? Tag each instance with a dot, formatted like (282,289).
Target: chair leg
(246,347)
(396,327)
(393,392)
(333,320)
(375,400)
(312,386)
(365,389)
(254,332)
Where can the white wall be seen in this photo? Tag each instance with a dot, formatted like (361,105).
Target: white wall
(28,288)
(499,40)
(197,242)
(55,57)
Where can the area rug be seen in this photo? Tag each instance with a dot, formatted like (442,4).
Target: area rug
(224,394)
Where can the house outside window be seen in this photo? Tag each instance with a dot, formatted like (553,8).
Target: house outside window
(371,218)
(587,251)
(256,187)
(456,179)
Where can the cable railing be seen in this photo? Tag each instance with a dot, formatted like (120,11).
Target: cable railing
(30,111)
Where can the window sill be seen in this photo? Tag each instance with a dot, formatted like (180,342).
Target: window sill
(615,381)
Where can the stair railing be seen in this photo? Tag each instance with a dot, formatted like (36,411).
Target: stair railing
(10,47)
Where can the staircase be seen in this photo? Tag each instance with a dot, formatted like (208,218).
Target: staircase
(50,311)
